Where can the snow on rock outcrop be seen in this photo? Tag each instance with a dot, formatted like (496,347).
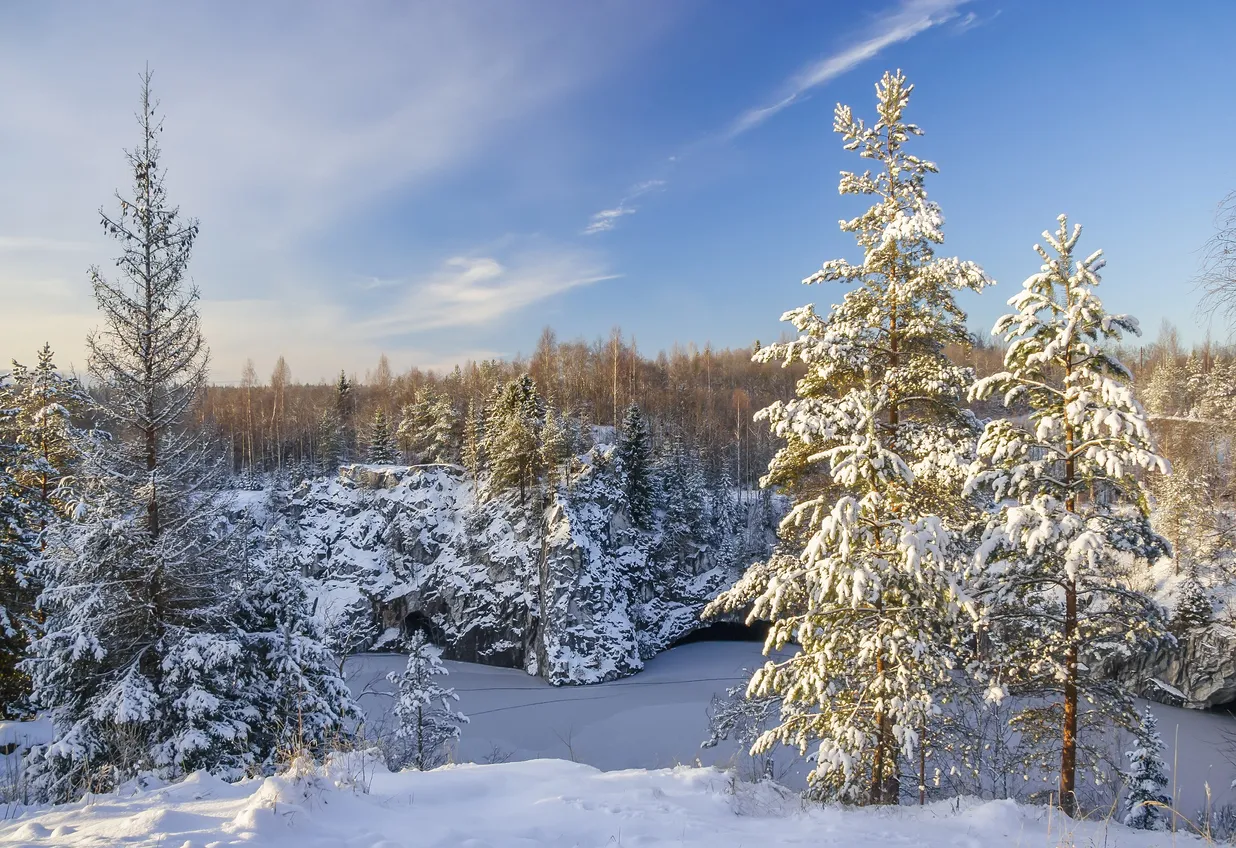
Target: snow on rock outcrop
(1198,672)
(563,586)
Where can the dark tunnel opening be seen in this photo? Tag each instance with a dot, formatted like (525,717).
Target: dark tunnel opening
(726,631)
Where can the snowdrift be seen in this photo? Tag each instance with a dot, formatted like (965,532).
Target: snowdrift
(356,803)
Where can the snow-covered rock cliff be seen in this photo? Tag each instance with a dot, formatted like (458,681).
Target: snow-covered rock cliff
(563,585)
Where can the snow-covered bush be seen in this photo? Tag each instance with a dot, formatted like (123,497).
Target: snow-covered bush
(1147,803)
(735,717)
(425,719)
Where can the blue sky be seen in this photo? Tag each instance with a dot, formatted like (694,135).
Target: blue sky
(439,181)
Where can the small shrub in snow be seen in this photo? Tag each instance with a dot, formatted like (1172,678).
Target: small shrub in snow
(744,720)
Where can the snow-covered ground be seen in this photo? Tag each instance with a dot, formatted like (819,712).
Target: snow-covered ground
(615,731)
(535,803)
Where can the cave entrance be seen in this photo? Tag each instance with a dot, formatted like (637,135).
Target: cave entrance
(417,622)
(726,631)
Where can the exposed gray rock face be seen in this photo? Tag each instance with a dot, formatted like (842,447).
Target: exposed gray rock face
(1199,672)
(565,587)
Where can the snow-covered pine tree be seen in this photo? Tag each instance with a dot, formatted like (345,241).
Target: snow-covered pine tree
(17,547)
(1180,502)
(635,462)
(555,450)
(405,431)
(47,404)
(40,447)
(1194,384)
(473,441)
(512,436)
(1069,498)
(345,410)
(428,428)
(331,441)
(865,580)
(381,441)
(680,481)
(1194,608)
(1217,400)
(444,432)
(1147,803)
(304,703)
(134,665)
(426,719)
(743,720)
(1164,395)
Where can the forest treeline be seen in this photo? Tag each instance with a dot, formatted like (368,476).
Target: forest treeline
(705,396)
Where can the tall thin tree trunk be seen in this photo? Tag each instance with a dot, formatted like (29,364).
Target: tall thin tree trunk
(922,766)
(1068,737)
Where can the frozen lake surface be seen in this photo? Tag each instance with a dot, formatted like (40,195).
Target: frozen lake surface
(659,717)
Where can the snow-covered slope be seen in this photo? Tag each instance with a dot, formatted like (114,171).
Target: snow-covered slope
(658,719)
(356,804)
(564,587)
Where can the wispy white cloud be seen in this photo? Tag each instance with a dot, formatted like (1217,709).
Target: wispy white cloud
(907,20)
(605,220)
(476,290)
(972,20)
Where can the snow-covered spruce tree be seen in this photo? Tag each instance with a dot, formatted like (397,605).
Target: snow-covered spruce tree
(40,447)
(47,406)
(17,548)
(555,450)
(426,720)
(331,441)
(1147,803)
(303,701)
(635,463)
(381,441)
(866,577)
(472,453)
(1193,606)
(512,436)
(345,410)
(1069,500)
(684,499)
(135,665)
(428,428)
